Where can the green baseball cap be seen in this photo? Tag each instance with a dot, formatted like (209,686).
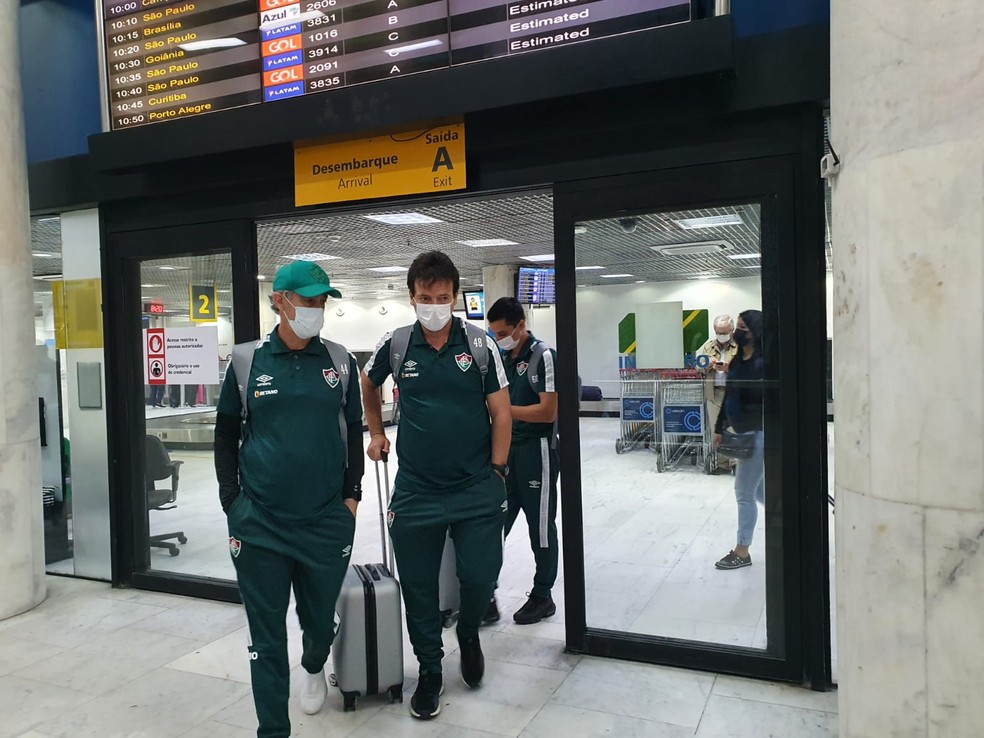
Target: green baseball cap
(304,278)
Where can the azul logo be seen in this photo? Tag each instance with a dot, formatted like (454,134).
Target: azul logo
(346,552)
(264,393)
(263,380)
(331,377)
(464,361)
(534,484)
(235,546)
(521,368)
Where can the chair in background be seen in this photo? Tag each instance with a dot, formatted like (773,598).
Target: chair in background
(160,466)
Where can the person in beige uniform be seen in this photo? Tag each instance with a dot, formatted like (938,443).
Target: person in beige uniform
(720,350)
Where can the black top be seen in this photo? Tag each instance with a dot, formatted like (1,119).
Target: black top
(742,406)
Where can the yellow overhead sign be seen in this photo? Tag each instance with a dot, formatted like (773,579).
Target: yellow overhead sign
(407,163)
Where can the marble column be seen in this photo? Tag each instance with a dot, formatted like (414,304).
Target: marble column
(907,106)
(22,583)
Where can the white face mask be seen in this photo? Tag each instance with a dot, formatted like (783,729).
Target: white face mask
(307,322)
(433,317)
(508,343)
(724,338)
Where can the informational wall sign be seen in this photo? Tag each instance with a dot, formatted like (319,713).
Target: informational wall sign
(408,163)
(77,305)
(186,355)
(156,356)
(169,59)
(202,303)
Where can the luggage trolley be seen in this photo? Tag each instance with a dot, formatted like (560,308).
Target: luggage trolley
(637,410)
(682,430)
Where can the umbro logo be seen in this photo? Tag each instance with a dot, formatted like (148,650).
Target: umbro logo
(346,552)
(534,484)
(263,380)
(410,364)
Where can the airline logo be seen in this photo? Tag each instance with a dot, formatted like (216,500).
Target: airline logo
(283,60)
(290,29)
(282,92)
(283,45)
(276,4)
(270,19)
(283,76)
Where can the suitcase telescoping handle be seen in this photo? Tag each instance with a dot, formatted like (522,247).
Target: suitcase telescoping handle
(383,509)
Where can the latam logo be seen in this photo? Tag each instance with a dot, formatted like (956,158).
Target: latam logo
(283,45)
(284,60)
(283,76)
(283,91)
(291,29)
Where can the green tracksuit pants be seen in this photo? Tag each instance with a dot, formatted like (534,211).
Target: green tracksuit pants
(532,490)
(418,526)
(270,557)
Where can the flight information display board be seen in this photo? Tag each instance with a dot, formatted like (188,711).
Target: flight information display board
(169,59)
(536,286)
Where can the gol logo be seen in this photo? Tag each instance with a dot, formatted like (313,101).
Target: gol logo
(283,76)
(282,45)
(274,4)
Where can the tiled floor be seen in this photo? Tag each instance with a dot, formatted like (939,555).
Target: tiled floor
(93,661)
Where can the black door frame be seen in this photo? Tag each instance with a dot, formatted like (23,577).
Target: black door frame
(127,422)
(794,481)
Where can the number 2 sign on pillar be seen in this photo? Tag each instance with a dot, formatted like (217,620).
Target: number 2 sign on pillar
(203,305)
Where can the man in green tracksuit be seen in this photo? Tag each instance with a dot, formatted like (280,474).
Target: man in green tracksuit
(452,446)
(533,464)
(291,488)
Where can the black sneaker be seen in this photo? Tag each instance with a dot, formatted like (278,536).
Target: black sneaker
(535,610)
(426,701)
(472,661)
(492,614)
(733,561)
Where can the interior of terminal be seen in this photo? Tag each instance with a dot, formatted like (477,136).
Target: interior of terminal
(652,291)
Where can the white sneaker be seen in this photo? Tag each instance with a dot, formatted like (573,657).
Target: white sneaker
(314,690)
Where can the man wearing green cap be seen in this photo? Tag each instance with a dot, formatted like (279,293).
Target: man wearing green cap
(288,457)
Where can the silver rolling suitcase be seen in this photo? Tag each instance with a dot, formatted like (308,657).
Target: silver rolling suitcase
(449,589)
(368,650)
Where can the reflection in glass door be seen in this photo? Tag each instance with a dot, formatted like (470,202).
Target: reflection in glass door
(187,335)
(681,304)
(675,539)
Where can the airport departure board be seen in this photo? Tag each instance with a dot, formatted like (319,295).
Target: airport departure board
(170,59)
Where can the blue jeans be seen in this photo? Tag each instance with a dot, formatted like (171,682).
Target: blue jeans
(750,490)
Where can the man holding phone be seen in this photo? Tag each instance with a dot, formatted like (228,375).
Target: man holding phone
(720,349)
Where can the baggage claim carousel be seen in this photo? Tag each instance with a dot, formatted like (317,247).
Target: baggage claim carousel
(196,431)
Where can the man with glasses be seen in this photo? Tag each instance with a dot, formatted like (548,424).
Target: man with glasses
(453,448)
(288,457)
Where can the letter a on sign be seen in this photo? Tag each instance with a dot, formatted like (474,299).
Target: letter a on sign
(442,159)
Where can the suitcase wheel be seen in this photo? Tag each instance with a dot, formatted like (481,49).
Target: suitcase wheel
(396,694)
(349,699)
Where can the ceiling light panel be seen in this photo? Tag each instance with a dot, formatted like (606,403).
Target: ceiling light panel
(486,242)
(314,256)
(403,218)
(710,221)
(538,257)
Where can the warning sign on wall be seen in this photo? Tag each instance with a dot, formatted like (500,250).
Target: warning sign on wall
(182,355)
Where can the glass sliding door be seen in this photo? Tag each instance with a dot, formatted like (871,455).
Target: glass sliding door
(679,478)
(177,312)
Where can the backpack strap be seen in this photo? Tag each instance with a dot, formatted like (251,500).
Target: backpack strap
(536,361)
(399,343)
(478,347)
(242,364)
(340,358)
